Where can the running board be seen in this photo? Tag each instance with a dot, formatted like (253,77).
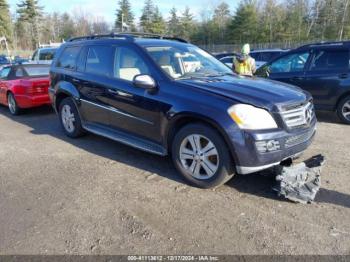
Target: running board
(126,139)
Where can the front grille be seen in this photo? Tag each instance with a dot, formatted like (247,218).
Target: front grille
(299,139)
(299,116)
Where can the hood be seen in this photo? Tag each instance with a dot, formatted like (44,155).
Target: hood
(259,92)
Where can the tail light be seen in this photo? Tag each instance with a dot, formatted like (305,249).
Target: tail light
(38,88)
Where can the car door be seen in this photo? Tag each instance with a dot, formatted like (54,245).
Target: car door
(289,68)
(93,79)
(326,75)
(135,110)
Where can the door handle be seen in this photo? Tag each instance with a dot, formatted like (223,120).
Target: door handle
(119,93)
(343,76)
(112,91)
(75,80)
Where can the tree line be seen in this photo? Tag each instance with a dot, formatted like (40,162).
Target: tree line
(253,21)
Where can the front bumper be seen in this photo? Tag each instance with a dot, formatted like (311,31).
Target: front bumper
(291,144)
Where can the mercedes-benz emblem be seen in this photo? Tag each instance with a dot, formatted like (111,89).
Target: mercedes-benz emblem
(308,115)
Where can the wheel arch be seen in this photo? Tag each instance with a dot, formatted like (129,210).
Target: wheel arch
(65,89)
(347,93)
(184,119)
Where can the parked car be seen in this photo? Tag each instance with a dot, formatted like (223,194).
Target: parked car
(228,60)
(224,54)
(134,89)
(263,56)
(4,61)
(322,69)
(44,55)
(24,86)
(20,60)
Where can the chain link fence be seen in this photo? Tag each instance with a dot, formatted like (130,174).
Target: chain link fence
(223,48)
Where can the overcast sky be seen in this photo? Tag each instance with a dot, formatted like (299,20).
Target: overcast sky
(106,8)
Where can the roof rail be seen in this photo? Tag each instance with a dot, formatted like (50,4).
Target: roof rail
(129,36)
(325,43)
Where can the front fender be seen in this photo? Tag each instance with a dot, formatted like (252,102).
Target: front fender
(178,120)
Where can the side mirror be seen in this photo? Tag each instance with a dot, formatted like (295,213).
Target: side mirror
(145,81)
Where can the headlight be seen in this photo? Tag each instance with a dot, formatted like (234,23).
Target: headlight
(250,117)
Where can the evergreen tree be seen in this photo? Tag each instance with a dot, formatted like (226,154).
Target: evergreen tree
(30,12)
(124,14)
(187,23)
(67,27)
(5,20)
(173,23)
(147,16)
(244,26)
(158,25)
(221,19)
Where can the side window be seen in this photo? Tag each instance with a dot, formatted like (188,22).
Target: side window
(128,64)
(19,72)
(98,60)
(68,58)
(330,60)
(5,72)
(290,63)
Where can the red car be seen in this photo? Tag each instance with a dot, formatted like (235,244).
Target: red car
(24,86)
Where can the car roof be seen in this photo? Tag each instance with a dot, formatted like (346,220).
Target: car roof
(47,48)
(269,50)
(334,44)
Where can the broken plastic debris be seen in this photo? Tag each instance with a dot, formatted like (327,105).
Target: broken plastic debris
(300,182)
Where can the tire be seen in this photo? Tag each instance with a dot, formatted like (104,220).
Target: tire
(12,105)
(209,171)
(70,118)
(343,110)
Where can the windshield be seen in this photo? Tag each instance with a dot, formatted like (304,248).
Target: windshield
(38,71)
(47,54)
(187,62)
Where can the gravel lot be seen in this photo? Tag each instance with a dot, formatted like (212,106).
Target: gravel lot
(95,196)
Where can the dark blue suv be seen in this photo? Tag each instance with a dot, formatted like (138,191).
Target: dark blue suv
(322,69)
(167,97)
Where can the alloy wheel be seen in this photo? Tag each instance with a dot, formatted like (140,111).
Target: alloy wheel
(68,118)
(346,110)
(12,104)
(199,156)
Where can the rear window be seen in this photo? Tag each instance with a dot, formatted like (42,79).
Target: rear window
(37,71)
(47,54)
(68,58)
(330,60)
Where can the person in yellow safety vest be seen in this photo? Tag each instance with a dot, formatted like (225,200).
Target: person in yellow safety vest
(244,64)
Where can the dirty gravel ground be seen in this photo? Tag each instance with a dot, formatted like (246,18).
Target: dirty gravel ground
(95,196)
